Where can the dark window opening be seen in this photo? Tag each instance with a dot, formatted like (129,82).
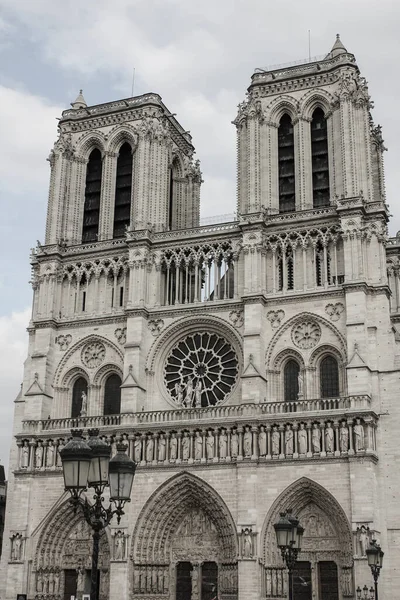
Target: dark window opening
(121,296)
(287,201)
(329,375)
(183,581)
(171,199)
(80,386)
(123,191)
(328,580)
(91,210)
(319,157)
(83,301)
(209,581)
(291,381)
(302,584)
(112,298)
(112,395)
(290,270)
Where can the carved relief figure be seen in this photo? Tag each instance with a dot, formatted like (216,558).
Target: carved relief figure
(234,444)
(344,437)
(25,455)
(185,446)
(138,449)
(149,448)
(223,440)
(59,448)
(189,392)
(160,580)
(50,454)
(300,380)
(198,446)
(275,441)
(247,442)
(173,447)
(162,442)
(210,445)
(359,436)
(179,389)
(363,539)
(80,587)
(197,393)
(39,581)
(16,547)
(302,439)
(329,438)
(262,441)
(119,546)
(39,455)
(83,412)
(288,440)
(316,438)
(247,543)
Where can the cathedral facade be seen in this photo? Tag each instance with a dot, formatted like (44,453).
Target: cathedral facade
(250,366)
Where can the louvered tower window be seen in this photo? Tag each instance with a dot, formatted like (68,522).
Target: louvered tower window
(329,376)
(319,153)
(91,211)
(287,201)
(80,386)
(112,395)
(291,380)
(123,191)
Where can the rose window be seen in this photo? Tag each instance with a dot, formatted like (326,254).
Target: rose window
(93,354)
(306,334)
(201,370)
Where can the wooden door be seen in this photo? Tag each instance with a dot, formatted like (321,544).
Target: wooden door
(70,583)
(328,580)
(184,581)
(209,581)
(302,587)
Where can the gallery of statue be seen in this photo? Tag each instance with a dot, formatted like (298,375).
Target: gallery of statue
(250,365)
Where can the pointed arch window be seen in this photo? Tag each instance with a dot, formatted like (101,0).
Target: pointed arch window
(112,395)
(175,202)
(123,191)
(80,387)
(291,380)
(91,210)
(287,200)
(329,377)
(319,156)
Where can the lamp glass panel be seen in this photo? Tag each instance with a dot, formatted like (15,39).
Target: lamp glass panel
(121,485)
(76,473)
(98,471)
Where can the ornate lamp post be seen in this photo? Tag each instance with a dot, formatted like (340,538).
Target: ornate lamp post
(375,560)
(289,535)
(371,595)
(88,464)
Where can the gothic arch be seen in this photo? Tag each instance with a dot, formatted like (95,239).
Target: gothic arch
(299,496)
(72,375)
(323,350)
(314,99)
(282,105)
(69,359)
(121,134)
(106,370)
(88,142)
(285,355)
(164,511)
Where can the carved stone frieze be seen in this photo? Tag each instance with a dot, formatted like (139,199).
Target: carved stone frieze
(120,334)
(275,317)
(63,341)
(334,310)
(155,326)
(237,318)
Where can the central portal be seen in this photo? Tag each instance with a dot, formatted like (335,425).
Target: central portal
(196,582)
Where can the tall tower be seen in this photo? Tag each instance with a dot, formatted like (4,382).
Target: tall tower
(250,366)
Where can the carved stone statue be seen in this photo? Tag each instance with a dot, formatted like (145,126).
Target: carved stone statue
(162,442)
(247,543)
(234,444)
(138,449)
(185,446)
(300,380)
(50,454)
(80,587)
(39,581)
(56,581)
(16,547)
(173,447)
(247,442)
(179,389)
(347,586)
(302,439)
(195,583)
(316,438)
(39,455)
(329,438)
(363,540)
(160,580)
(83,412)
(25,455)
(189,390)
(344,437)
(359,436)
(288,440)
(275,441)
(210,441)
(197,393)
(59,448)
(198,446)
(149,448)
(262,441)
(119,547)
(223,441)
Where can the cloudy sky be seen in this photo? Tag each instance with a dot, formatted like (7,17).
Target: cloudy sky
(199,56)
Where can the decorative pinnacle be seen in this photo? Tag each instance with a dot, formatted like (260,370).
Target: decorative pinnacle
(80,101)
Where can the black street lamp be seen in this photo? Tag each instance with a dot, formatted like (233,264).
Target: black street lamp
(375,560)
(88,464)
(289,535)
(365,594)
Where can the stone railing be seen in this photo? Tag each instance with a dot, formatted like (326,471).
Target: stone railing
(231,412)
(254,436)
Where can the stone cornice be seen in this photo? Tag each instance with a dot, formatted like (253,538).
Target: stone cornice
(75,323)
(362,286)
(194,309)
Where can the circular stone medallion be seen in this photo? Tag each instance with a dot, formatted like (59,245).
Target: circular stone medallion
(306,334)
(93,354)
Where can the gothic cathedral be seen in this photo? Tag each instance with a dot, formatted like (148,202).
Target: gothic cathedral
(250,366)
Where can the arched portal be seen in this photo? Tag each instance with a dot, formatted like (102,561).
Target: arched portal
(62,564)
(326,558)
(185,541)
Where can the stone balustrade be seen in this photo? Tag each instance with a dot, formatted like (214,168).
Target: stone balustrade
(227,412)
(280,437)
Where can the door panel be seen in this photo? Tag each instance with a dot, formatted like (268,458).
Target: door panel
(302,589)
(328,580)
(209,581)
(183,581)
(71,580)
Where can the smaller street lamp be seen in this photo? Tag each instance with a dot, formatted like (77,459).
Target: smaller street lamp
(289,535)
(88,464)
(375,560)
